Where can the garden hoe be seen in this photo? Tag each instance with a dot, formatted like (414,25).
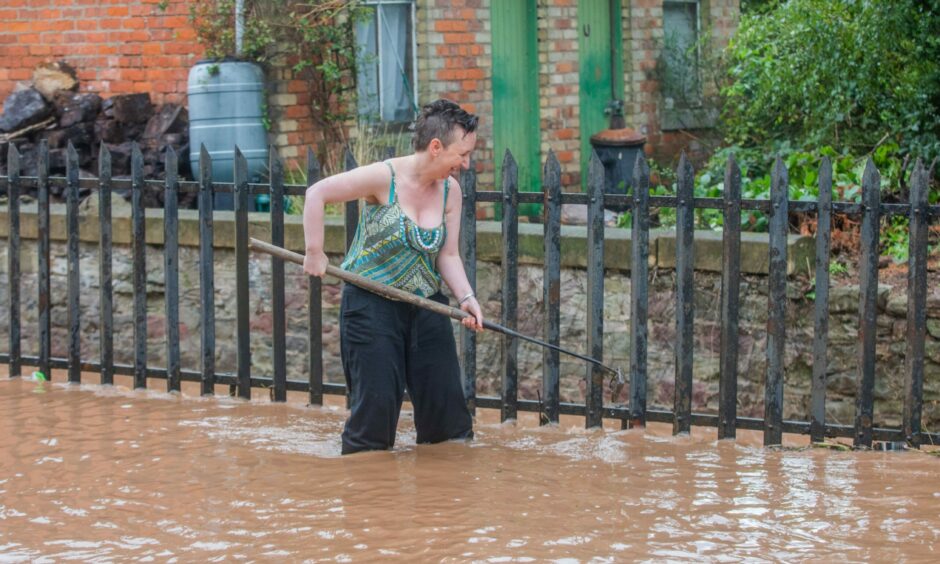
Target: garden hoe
(402,296)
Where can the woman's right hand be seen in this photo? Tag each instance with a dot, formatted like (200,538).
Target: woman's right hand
(315,263)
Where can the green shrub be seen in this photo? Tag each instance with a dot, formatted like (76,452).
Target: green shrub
(849,74)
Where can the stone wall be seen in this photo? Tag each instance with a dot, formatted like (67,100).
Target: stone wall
(843,314)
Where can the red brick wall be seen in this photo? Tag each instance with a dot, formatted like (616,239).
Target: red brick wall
(558,87)
(124,47)
(131,46)
(454,48)
(116,47)
(292,127)
(454,62)
(643,37)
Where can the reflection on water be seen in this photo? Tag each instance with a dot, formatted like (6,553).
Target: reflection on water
(103,474)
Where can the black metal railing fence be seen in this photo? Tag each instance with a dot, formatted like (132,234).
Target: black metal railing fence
(509,197)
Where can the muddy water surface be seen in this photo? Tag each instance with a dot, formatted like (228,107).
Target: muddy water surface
(104,474)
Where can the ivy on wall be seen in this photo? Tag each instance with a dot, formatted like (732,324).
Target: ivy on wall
(314,38)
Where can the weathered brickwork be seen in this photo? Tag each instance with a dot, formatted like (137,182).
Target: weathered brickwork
(116,47)
(134,46)
(454,50)
(559,88)
(149,46)
(454,61)
(643,40)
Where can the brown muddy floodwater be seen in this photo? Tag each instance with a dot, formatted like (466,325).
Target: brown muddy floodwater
(105,474)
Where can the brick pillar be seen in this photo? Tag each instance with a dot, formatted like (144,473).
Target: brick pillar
(454,50)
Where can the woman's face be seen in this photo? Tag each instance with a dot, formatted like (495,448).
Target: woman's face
(456,156)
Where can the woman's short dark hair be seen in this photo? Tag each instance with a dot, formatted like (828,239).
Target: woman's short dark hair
(438,120)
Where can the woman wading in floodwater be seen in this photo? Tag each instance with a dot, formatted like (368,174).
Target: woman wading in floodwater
(407,238)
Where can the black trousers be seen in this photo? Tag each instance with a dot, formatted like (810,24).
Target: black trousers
(390,346)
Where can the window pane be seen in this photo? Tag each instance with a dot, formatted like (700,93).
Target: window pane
(367,85)
(680,53)
(395,61)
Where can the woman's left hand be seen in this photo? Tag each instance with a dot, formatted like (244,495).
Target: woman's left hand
(474,321)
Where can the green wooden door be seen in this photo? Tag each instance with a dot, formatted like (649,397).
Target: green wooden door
(516,89)
(599,34)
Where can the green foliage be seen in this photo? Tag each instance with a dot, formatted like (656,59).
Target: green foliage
(803,174)
(895,238)
(836,268)
(757,6)
(843,73)
(851,80)
(312,37)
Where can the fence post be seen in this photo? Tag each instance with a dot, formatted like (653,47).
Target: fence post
(13,257)
(595,292)
(468,249)
(242,330)
(206,276)
(551,224)
(314,309)
(685,296)
(817,426)
(510,266)
(105,252)
(74,281)
(139,230)
(45,290)
(730,299)
(171,271)
(777,305)
(916,307)
(868,304)
(639,291)
(278,309)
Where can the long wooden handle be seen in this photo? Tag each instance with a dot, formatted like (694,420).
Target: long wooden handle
(393,293)
(383,290)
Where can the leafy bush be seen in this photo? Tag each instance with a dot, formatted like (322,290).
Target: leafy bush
(803,173)
(849,74)
(804,79)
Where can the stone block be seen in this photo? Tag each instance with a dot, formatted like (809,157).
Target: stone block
(23,108)
(843,299)
(617,245)
(897,305)
(932,350)
(707,252)
(132,108)
(933,328)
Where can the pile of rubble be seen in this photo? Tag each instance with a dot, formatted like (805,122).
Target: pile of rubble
(50,108)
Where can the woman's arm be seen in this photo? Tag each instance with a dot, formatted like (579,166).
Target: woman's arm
(451,267)
(363,182)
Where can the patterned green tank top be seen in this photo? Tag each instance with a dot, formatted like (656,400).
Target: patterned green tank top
(392,249)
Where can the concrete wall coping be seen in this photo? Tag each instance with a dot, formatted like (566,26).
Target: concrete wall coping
(707,249)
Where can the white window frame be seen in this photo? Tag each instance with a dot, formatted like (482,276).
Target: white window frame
(380,30)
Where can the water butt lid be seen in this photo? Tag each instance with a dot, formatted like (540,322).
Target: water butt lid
(624,137)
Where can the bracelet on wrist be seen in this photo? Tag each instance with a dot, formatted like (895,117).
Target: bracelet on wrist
(465,298)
